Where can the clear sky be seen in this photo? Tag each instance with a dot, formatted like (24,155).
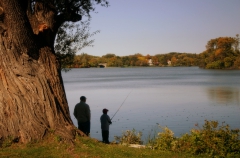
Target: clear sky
(155,27)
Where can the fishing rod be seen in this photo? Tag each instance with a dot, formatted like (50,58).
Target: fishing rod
(121,104)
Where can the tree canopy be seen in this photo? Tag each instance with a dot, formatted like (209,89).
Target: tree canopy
(71,38)
(221,53)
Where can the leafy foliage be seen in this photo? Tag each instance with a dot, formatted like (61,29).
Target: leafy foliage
(60,16)
(237,63)
(181,59)
(129,137)
(221,53)
(72,8)
(212,139)
(70,39)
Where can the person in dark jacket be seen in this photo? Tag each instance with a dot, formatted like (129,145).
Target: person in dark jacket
(83,115)
(105,122)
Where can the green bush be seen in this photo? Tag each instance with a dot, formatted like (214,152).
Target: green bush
(228,62)
(215,65)
(129,137)
(237,63)
(212,139)
(164,139)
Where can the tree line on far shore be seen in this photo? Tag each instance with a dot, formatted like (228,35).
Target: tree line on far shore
(220,53)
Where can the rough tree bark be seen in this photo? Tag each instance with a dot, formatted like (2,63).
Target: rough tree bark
(32,96)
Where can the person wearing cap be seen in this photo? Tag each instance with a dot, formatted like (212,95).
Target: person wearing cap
(105,122)
(83,115)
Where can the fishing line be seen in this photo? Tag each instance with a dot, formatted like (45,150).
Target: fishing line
(121,104)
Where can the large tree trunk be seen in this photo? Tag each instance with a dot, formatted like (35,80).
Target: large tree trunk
(32,96)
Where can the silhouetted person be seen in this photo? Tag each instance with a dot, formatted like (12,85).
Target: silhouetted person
(83,115)
(105,122)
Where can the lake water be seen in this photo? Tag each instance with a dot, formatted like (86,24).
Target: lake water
(176,97)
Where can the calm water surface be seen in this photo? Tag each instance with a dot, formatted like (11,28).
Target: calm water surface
(174,97)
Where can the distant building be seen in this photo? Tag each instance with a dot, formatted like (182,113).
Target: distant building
(169,62)
(150,62)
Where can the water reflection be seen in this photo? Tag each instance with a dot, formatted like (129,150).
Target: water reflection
(224,95)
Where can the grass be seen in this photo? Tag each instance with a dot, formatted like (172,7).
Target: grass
(82,147)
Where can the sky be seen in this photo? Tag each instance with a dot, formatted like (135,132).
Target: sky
(155,27)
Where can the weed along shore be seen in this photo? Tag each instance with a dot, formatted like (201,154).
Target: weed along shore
(213,139)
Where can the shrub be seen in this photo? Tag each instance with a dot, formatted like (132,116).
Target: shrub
(129,137)
(228,62)
(237,63)
(215,65)
(212,139)
(164,140)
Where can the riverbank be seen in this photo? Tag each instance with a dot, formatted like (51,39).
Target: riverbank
(210,140)
(82,147)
